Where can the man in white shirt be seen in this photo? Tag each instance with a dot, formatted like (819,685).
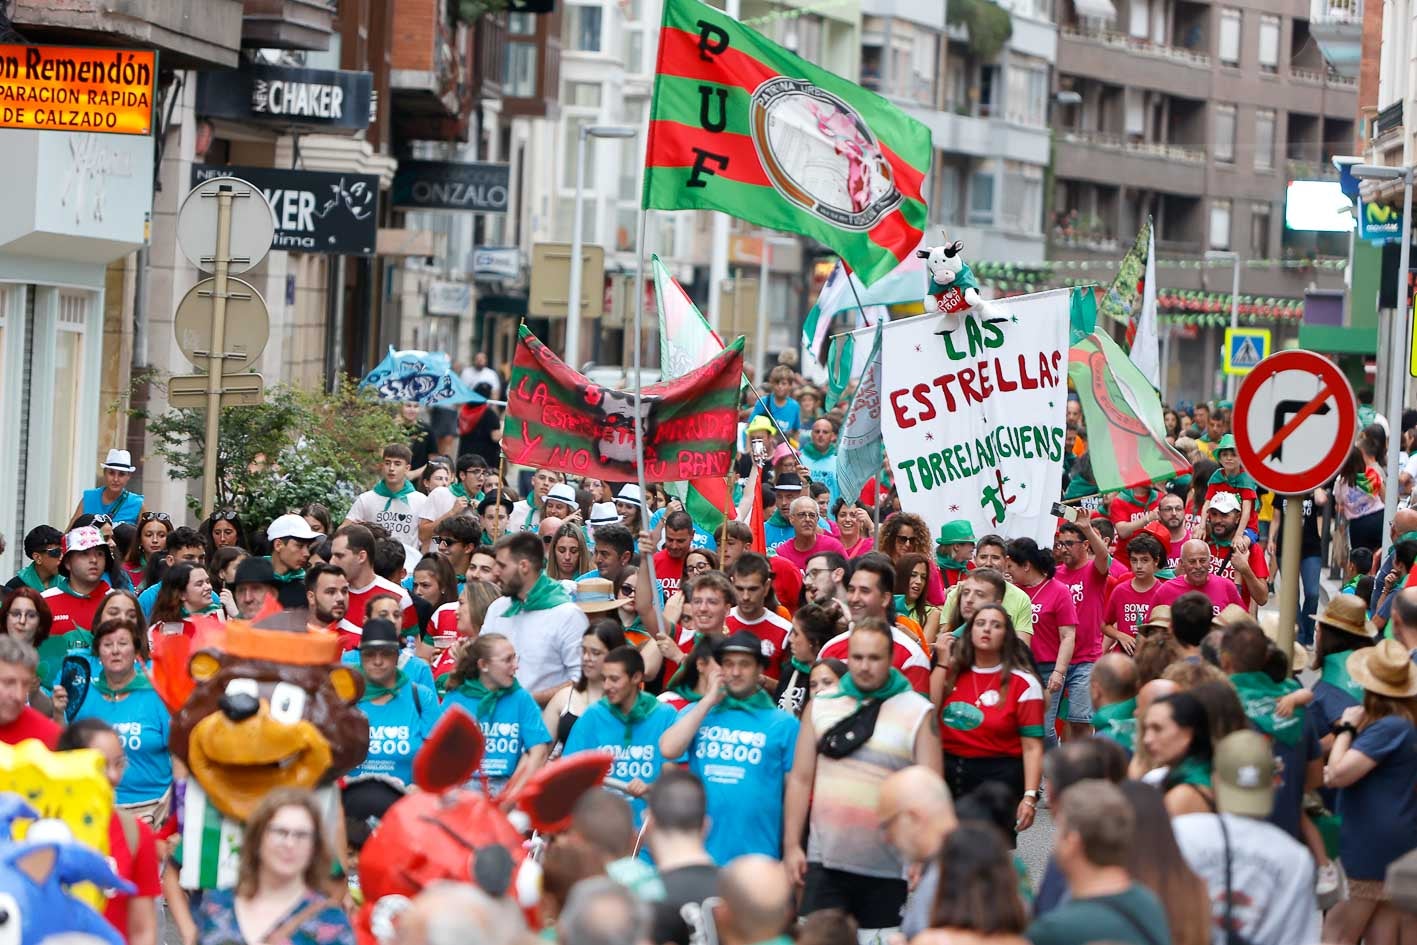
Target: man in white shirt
(538,616)
(394,504)
(480,373)
(1268,895)
(526,514)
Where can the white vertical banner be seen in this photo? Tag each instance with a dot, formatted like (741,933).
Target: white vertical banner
(1146,346)
(973,419)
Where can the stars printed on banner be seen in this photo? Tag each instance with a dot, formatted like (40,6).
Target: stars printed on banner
(954,508)
(1014,319)
(929,437)
(917,349)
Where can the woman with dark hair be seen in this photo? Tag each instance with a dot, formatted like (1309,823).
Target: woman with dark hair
(812,626)
(976,899)
(25,616)
(1358,492)
(992,714)
(221,568)
(434,581)
(1154,859)
(912,577)
(153,529)
(826,674)
(285,863)
(1055,621)
(566,706)
(906,533)
(690,680)
(222,529)
(318,518)
(186,591)
(1201,471)
(855,526)
(485,686)
(1176,734)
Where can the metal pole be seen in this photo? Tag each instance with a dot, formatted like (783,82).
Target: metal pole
(646,561)
(760,341)
(1397,377)
(1234,316)
(218,348)
(1165,356)
(1291,544)
(573,300)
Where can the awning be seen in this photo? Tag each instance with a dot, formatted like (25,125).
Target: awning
(1095,10)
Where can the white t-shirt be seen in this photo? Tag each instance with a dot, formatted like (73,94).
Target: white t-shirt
(400,516)
(1271,876)
(436,504)
(548,642)
(472,376)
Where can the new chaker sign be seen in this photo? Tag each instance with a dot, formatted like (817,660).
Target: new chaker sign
(77,88)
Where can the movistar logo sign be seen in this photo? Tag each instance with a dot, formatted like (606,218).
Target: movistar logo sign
(1381,213)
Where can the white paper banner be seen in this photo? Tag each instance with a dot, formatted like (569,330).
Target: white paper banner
(974,419)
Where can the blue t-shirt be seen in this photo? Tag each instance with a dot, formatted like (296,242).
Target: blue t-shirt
(1380,811)
(743,759)
(823,470)
(1292,761)
(397,729)
(788,415)
(637,756)
(126,509)
(142,723)
(701,539)
(148,599)
(417,668)
(513,726)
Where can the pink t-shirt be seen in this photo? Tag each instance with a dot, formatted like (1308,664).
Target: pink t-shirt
(823,544)
(860,548)
(1052,608)
(1219,590)
(1089,590)
(1128,607)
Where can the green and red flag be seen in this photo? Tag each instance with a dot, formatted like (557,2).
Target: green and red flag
(557,418)
(1125,431)
(740,124)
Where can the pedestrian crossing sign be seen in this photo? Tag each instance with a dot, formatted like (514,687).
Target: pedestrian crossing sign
(1245,348)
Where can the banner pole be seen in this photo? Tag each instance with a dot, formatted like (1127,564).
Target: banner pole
(861,310)
(639,302)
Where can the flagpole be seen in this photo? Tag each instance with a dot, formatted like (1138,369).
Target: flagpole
(648,562)
(861,311)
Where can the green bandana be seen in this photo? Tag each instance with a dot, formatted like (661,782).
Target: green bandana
(29,577)
(138,683)
(485,698)
(1258,694)
(758,700)
(209,609)
(777,520)
(947,563)
(544,594)
(1351,585)
(804,668)
(389,494)
(895,685)
(1335,673)
(809,451)
(459,492)
(687,694)
(374,691)
(1189,771)
(644,705)
(1406,536)
(1117,722)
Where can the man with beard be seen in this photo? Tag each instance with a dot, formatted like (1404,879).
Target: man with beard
(1171,513)
(825,579)
(326,596)
(1232,555)
(870,595)
(538,616)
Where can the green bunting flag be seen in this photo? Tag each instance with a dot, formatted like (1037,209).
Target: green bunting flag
(741,125)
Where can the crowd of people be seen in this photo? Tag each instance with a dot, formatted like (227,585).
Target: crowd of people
(839,728)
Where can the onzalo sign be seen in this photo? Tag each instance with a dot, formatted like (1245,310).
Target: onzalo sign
(444,185)
(77,88)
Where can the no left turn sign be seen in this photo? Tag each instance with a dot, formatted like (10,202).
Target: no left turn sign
(1295,419)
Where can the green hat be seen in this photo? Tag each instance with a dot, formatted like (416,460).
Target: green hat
(1225,404)
(956,532)
(1227,442)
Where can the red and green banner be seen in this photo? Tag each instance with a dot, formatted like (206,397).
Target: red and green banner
(1125,430)
(741,125)
(559,419)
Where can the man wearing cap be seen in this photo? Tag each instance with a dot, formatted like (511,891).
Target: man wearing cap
(401,713)
(954,550)
(1194,574)
(741,746)
(1261,880)
(290,537)
(43,549)
(808,539)
(254,587)
(80,586)
(1234,556)
(819,455)
(113,498)
(526,514)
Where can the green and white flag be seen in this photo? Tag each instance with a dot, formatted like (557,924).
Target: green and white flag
(211,843)
(860,450)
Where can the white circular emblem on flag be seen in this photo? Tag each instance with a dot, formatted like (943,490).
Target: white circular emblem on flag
(819,154)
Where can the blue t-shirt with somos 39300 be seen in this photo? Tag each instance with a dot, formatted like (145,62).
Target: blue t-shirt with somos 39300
(397,729)
(142,723)
(512,726)
(637,754)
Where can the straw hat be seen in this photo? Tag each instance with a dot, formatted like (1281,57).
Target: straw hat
(1269,623)
(1385,669)
(1348,614)
(1159,617)
(595,595)
(1230,615)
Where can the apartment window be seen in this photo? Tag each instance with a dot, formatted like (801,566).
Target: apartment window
(1264,139)
(872,73)
(1269,43)
(1139,22)
(519,71)
(1229,52)
(922,68)
(521,24)
(1134,112)
(1027,101)
(1259,231)
(1023,197)
(946,203)
(1225,134)
(580,27)
(632,49)
(1220,224)
(582,93)
(988,91)
(981,198)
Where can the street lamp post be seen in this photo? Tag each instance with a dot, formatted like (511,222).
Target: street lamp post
(573,299)
(1234,304)
(1398,362)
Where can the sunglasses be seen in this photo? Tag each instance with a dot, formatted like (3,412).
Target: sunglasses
(52,552)
(226,515)
(103,520)
(627,589)
(160,516)
(444,541)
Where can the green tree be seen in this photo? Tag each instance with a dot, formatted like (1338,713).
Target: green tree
(298,447)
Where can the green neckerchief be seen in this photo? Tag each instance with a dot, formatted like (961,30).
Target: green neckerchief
(209,609)
(390,495)
(459,491)
(778,940)
(950,564)
(288,577)
(29,577)
(486,699)
(644,705)
(1079,487)
(896,683)
(61,582)
(138,683)
(373,690)
(1406,536)
(1241,480)
(687,694)
(804,668)
(1348,588)
(1190,771)
(1117,721)
(1335,673)
(1258,694)
(758,700)
(809,451)
(533,511)
(777,520)
(544,595)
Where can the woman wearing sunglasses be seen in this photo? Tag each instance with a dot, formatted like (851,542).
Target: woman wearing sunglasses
(222,529)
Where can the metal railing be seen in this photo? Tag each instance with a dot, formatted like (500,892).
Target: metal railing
(1114,142)
(1141,47)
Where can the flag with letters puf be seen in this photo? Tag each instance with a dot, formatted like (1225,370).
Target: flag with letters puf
(739,124)
(973,418)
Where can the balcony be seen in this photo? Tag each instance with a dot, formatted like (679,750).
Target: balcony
(430,75)
(984,137)
(189,34)
(289,24)
(1112,159)
(1337,26)
(1136,63)
(1333,80)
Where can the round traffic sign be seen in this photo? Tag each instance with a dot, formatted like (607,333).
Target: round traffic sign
(1295,419)
(247,327)
(253,225)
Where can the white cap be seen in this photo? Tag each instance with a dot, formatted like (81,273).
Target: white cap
(82,539)
(120,460)
(1225,502)
(563,492)
(291,525)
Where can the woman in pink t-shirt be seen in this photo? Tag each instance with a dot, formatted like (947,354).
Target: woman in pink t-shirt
(1055,622)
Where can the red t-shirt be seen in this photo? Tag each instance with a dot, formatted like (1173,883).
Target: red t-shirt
(979,720)
(770,628)
(669,572)
(72,612)
(359,599)
(908,657)
(1128,607)
(30,724)
(444,623)
(1222,566)
(139,867)
(1052,608)
(1089,589)
(1218,589)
